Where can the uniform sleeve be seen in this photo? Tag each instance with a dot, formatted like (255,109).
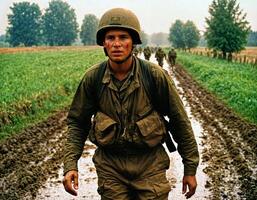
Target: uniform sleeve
(79,123)
(182,131)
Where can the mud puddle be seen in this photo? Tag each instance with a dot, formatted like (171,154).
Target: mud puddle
(53,189)
(229,143)
(175,173)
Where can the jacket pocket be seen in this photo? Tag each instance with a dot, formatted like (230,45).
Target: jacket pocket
(104,129)
(152,129)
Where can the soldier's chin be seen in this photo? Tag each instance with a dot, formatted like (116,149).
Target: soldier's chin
(119,60)
(116,59)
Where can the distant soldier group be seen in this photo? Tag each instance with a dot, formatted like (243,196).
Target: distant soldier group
(160,55)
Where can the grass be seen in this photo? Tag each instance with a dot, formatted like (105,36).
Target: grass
(233,83)
(35,84)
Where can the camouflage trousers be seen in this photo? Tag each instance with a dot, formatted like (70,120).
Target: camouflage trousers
(135,176)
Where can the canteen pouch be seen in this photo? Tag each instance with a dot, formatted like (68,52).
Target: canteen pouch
(152,129)
(103,130)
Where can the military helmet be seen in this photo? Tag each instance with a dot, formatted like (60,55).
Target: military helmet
(119,18)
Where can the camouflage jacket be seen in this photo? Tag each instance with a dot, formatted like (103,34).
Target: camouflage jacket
(160,54)
(128,116)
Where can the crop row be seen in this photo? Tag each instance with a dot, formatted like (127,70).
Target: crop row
(33,81)
(233,83)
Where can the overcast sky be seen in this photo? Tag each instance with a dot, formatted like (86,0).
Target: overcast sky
(154,15)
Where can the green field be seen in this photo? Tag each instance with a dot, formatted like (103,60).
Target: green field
(234,83)
(35,84)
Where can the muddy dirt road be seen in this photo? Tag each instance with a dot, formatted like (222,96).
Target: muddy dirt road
(31,162)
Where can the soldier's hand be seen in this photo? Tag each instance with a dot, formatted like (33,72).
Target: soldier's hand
(189,182)
(70,182)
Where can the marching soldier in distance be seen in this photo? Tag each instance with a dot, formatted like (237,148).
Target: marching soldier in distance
(160,55)
(147,53)
(172,55)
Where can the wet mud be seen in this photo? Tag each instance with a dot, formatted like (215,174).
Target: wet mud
(229,143)
(30,157)
(31,161)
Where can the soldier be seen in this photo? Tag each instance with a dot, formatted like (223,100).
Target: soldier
(127,129)
(139,50)
(160,55)
(147,53)
(135,51)
(172,55)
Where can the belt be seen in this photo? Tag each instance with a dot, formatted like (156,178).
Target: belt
(127,149)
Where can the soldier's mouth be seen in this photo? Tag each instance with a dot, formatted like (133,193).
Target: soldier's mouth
(117,53)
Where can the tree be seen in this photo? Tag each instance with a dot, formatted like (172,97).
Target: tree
(59,24)
(24,24)
(88,29)
(191,35)
(184,35)
(227,28)
(176,35)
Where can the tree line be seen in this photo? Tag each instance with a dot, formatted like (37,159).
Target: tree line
(227,30)
(57,27)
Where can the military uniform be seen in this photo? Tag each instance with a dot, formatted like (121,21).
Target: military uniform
(130,160)
(172,55)
(128,133)
(147,53)
(135,51)
(160,55)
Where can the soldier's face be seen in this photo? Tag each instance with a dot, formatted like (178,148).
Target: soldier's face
(118,44)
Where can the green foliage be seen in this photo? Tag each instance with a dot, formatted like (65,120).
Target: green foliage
(35,84)
(24,24)
(59,24)
(176,36)
(234,83)
(191,34)
(88,29)
(184,35)
(252,39)
(227,28)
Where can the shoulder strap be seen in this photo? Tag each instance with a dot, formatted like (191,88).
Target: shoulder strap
(150,86)
(98,84)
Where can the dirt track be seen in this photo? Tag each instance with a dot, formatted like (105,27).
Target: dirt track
(229,143)
(28,159)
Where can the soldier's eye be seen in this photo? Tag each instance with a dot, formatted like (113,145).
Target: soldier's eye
(123,37)
(109,37)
